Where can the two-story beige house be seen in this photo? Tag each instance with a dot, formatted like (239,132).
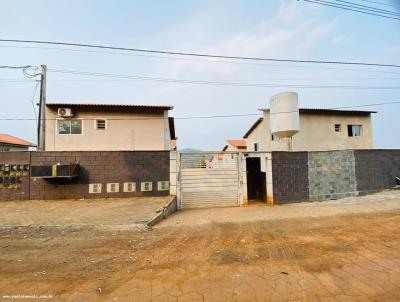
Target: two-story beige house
(320,130)
(108,127)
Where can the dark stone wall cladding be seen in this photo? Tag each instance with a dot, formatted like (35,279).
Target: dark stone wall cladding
(376,169)
(331,175)
(95,167)
(290,177)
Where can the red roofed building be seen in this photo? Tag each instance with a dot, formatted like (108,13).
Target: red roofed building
(12,143)
(235,145)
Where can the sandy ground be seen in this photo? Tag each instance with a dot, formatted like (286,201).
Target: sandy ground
(90,212)
(334,257)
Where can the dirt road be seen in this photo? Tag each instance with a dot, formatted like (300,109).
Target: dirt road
(337,258)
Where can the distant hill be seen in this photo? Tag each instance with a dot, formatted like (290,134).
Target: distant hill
(190,150)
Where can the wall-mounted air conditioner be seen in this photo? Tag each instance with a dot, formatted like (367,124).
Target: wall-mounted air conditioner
(65,112)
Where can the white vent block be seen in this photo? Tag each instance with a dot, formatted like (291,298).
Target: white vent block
(94,188)
(129,187)
(146,186)
(113,187)
(163,185)
(284,114)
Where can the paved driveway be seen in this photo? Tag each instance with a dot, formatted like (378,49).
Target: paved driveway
(384,201)
(116,212)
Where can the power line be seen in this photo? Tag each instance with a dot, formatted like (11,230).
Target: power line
(208,116)
(192,54)
(202,60)
(367,8)
(218,83)
(379,3)
(332,4)
(14,67)
(32,101)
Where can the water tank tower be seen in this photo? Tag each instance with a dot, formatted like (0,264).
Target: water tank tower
(284,114)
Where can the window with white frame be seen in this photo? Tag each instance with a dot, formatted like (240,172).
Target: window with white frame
(101,124)
(354,130)
(69,126)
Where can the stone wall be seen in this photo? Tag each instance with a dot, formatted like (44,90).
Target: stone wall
(290,177)
(331,175)
(98,167)
(376,169)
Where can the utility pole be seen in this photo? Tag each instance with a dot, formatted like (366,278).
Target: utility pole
(42,110)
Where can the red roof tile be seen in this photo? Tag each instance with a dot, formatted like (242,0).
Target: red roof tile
(239,143)
(12,140)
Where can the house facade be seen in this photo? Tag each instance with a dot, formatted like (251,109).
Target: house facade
(108,127)
(9,143)
(320,130)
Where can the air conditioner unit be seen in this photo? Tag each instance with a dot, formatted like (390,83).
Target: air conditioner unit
(65,112)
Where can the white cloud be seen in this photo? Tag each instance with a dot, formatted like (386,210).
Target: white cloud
(292,31)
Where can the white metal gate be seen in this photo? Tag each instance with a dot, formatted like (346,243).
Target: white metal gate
(209,179)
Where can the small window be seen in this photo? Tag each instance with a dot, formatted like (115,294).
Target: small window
(163,185)
(146,186)
(274,137)
(101,124)
(354,130)
(129,187)
(94,188)
(256,147)
(70,127)
(113,187)
(338,127)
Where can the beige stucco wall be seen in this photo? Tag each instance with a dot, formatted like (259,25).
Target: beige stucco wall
(139,134)
(317,133)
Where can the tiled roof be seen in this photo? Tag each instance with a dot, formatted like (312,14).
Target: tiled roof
(331,111)
(134,106)
(239,143)
(12,140)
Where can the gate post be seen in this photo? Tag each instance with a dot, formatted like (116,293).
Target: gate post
(269,179)
(243,201)
(174,188)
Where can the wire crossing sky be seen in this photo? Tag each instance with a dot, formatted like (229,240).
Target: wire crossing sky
(201,55)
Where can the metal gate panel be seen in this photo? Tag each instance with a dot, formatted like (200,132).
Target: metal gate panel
(209,179)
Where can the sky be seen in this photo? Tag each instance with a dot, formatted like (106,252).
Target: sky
(258,28)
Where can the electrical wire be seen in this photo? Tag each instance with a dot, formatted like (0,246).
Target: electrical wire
(33,103)
(218,83)
(331,4)
(367,8)
(202,60)
(209,116)
(14,67)
(379,3)
(192,54)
